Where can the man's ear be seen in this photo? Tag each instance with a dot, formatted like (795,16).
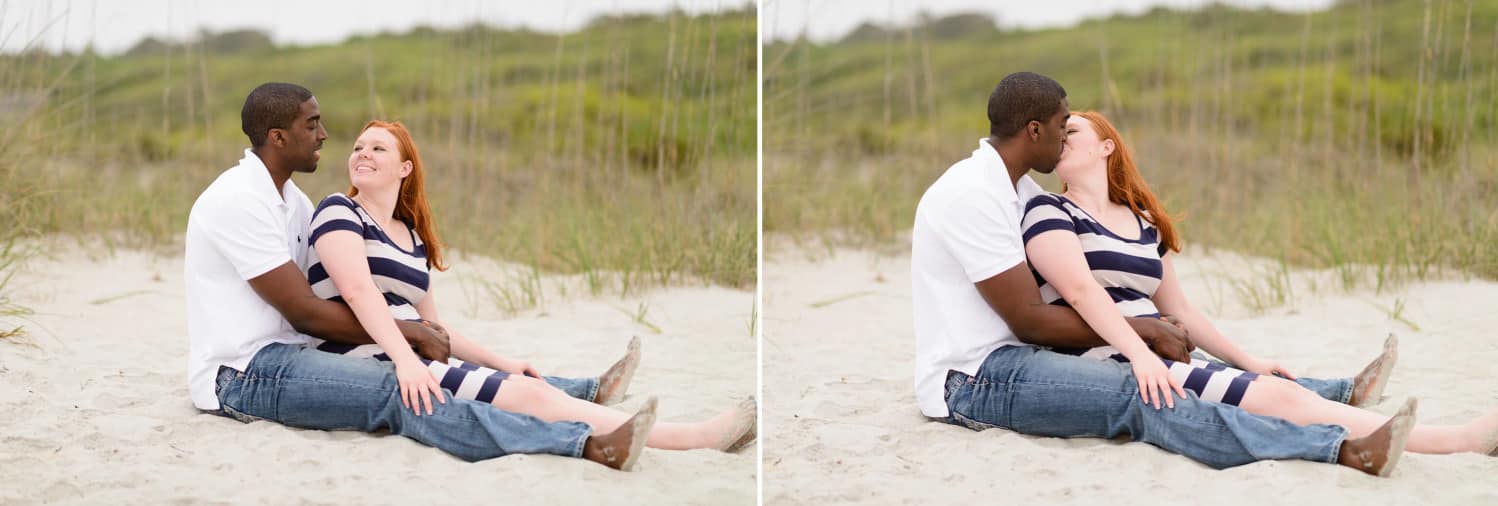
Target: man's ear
(277,136)
(1033,128)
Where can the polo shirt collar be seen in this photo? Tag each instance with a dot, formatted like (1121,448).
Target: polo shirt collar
(995,172)
(263,186)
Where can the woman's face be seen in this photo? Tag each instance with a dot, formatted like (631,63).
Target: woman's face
(376,162)
(1084,152)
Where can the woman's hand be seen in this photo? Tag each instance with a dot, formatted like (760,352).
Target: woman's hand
(417,385)
(516,366)
(1264,367)
(1155,382)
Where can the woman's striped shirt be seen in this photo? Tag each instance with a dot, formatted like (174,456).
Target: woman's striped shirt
(401,275)
(1128,269)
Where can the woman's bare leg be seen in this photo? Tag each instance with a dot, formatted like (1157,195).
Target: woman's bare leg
(1281,398)
(534,397)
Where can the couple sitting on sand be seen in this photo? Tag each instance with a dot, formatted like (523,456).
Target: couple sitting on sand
(1062,315)
(326,319)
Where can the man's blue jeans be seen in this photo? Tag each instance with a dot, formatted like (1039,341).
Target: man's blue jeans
(307,388)
(1035,391)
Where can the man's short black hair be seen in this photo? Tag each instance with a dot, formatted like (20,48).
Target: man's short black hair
(1019,98)
(271,105)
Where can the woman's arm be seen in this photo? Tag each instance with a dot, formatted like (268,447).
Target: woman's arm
(1171,299)
(343,256)
(467,350)
(462,348)
(1057,255)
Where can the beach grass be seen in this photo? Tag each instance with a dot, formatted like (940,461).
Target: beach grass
(12,313)
(1358,138)
(623,151)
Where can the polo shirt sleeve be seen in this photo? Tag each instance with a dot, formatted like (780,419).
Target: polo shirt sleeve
(1045,213)
(247,233)
(334,213)
(982,232)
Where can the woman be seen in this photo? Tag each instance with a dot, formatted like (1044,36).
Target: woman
(373,249)
(1104,247)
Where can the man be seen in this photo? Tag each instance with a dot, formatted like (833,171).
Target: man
(982,328)
(249,310)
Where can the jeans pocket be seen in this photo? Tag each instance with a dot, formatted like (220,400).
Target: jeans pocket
(229,388)
(967,394)
(222,379)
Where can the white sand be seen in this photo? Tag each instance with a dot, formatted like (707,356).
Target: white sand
(94,406)
(842,425)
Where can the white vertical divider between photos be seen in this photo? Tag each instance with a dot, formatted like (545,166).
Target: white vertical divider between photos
(759,244)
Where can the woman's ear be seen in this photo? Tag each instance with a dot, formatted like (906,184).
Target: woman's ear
(406,168)
(1108,147)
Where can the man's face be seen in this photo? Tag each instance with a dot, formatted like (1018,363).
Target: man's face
(1052,140)
(304,138)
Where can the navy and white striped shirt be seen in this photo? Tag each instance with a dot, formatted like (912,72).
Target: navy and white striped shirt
(1128,269)
(400,274)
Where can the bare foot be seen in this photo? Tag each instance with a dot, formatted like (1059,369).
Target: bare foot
(741,426)
(615,381)
(1368,386)
(1379,452)
(621,448)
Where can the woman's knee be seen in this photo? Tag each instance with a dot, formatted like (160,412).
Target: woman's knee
(521,390)
(1282,392)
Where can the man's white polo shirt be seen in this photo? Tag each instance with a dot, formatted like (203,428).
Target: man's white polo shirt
(238,229)
(967,229)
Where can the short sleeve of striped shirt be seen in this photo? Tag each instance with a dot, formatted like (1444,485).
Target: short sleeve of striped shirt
(1043,214)
(335,213)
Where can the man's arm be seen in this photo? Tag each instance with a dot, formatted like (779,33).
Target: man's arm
(285,289)
(1013,295)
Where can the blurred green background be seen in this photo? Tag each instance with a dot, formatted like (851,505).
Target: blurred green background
(1359,138)
(624,151)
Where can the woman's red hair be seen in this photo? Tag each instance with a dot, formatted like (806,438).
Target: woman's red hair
(1127,187)
(411,202)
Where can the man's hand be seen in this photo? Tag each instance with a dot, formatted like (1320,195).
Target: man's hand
(429,339)
(438,327)
(1165,338)
(1171,319)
